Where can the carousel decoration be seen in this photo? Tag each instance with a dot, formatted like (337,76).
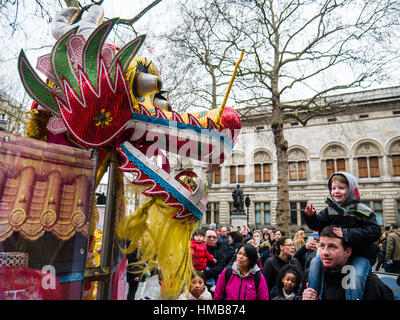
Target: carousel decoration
(98,96)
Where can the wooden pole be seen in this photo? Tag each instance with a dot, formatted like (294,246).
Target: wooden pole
(95,157)
(221,109)
(106,258)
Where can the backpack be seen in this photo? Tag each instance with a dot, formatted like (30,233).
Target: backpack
(257,277)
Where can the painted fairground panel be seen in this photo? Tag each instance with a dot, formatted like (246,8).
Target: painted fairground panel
(45,213)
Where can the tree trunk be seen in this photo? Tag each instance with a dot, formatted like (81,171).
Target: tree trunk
(281,146)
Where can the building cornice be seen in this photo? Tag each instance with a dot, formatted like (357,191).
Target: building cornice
(359,102)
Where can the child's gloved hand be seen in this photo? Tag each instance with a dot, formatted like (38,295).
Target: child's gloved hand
(309,210)
(338,232)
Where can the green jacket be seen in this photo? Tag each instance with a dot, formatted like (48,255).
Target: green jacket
(393,245)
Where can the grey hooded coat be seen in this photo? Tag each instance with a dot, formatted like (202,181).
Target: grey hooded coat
(357,220)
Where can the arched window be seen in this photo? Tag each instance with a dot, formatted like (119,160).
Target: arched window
(367,157)
(297,159)
(262,167)
(394,156)
(334,158)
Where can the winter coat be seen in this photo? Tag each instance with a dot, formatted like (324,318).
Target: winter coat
(241,287)
(333,289)
(133,270)
(304,256)
(206,295)
(272,267)
(358,222)
(231,251)
(277,294)
(200,255)
(393,245)
(384,246)
(223,241)
(215,269)
(264,256)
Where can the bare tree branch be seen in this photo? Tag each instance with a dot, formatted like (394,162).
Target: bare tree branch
(139,15)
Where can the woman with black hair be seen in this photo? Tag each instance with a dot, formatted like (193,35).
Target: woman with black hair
(265,248)
(242,281)
(253,242)
(283,256)
(278,233)
(235,241)
(290,278)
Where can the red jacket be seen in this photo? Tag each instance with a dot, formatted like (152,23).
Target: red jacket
(200,255)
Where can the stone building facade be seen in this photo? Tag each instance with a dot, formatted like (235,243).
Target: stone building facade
(364,140)
(12,115)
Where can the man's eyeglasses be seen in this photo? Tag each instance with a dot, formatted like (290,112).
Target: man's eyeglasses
(211,237)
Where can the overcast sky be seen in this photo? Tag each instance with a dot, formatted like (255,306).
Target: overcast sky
(35,39)
(35,33)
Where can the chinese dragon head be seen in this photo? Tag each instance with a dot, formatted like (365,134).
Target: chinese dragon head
(99,96)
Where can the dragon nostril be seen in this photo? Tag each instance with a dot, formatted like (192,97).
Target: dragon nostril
(159,84)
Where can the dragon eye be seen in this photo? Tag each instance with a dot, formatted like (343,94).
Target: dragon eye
(144,82)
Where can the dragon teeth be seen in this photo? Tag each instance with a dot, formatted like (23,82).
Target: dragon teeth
(193,121)
(144,111)
(211,124)
(176,117)
(160,114)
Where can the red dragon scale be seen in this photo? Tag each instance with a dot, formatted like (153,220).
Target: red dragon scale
(101,115)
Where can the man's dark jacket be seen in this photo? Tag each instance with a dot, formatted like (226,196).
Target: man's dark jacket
(305,256)
(132,271)
(375,289)
(215,269)
(230,252)
(224,241)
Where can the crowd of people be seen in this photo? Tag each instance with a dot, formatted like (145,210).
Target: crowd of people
(265,265)
(333,263)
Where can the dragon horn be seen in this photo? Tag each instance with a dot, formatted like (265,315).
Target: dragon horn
(64,21)
(126,54)
(36,88)
(61,63)
(92,50)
